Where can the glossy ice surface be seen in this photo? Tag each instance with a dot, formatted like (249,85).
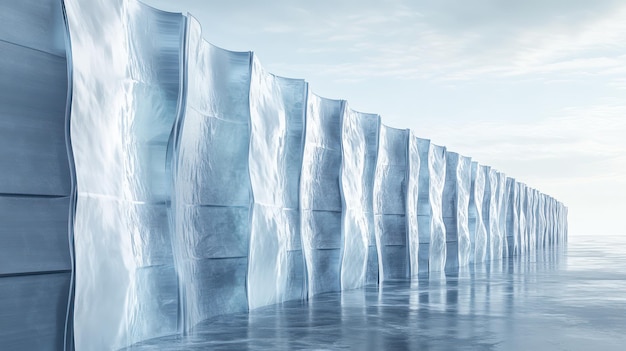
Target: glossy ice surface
(558,301)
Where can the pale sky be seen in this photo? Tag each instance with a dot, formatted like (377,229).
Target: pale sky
(534,88)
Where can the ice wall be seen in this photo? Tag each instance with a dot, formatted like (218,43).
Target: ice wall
(276,265)
(320,194)
(390,203)
(35,181)
(359,146)
(194,183)
(211,182)
(126,61)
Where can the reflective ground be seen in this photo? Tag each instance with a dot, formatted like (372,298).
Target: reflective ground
(568,301)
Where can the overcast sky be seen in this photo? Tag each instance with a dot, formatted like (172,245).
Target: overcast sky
(534,88)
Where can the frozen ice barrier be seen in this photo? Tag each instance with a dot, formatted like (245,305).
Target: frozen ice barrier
(126,61)
(276,265)
(320,194)
(211,182)
(359,140)
(390,185)
(35,180)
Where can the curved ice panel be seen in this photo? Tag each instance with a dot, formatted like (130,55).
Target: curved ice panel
(478,233)
(276,265)
(412,198)
(390,203)
(437,171)
(359,140)
(320,194)
(455,210)
(424,212)
(487,209)
(502,205)
(511,216)
(495,239)
(211,182)
(125,90)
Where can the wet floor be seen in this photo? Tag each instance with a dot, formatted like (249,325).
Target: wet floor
(574,300)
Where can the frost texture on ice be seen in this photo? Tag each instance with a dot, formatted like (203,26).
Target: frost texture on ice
(437,172)
(432,232)
(455,210)
(390,183)
(359,140)
(276,264)
(511,217)
(320,194)
(412,202)
(211,183)
(125,96)
(495,200)
(478,232)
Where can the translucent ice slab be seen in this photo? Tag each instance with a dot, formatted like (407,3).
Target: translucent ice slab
(455,210)
(359,140)
(211,181)
(126,61)
(276,265)
(390,203)
(478,233)
(412,201)
(320,194)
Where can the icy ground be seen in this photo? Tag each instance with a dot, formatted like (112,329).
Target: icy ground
(573,301)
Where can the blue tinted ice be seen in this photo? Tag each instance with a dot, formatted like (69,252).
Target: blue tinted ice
(276,264)
(359,140)
(320,194)
(125,65)
(390,203)
(455,210)
(412,201)
(211,183)
(478,232)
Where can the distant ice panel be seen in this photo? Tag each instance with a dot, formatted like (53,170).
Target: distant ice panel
(455,210)
(277,109)
(412,198)
(478,233)
(124,103)
(390,186)
(511,216)
(437,170)
(211,181)
(359,138)
(424,212)
(320,194)
(495,240)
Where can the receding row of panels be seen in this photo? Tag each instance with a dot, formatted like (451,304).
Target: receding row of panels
(273,193)
(206,185)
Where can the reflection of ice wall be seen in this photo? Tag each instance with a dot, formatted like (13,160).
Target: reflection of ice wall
(390,203)
(276,265)
(35,182)
(359,139)
(211,183)
(124,102)
(320,194)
